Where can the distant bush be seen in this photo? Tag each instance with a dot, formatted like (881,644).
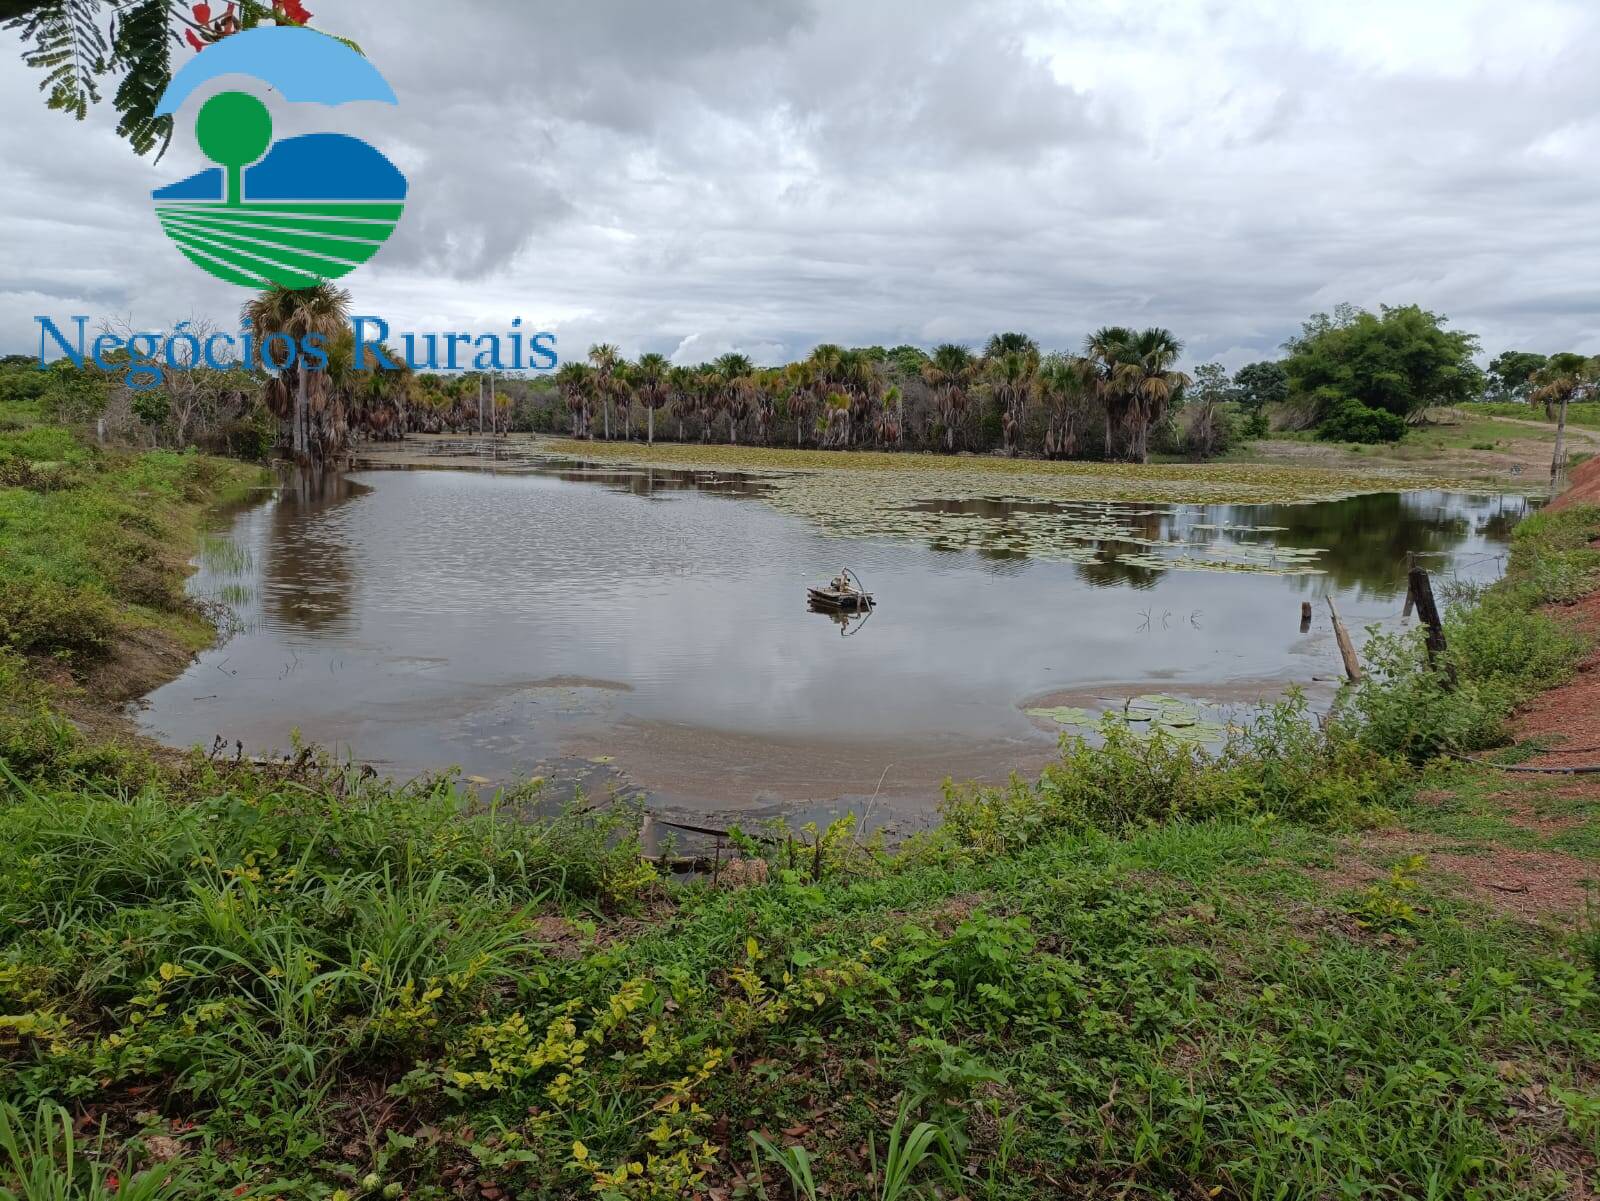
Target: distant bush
(1205,429)
(1351,421)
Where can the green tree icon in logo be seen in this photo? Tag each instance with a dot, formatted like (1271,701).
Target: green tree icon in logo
(234,129)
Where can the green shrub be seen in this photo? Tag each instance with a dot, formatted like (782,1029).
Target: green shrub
(42,616)
(1405,708)
(1280,763)
(1349,420)
(1499,641)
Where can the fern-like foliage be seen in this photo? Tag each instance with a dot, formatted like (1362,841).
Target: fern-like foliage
(68,45)
(77,42)
(142,44)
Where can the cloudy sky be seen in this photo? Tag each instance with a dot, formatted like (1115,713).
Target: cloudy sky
(694,176)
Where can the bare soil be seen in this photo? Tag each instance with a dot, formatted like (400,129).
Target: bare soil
(1569,716)
(1532,885)
(1584,488)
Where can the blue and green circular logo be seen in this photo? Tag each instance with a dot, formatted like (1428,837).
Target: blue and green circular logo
(292,213)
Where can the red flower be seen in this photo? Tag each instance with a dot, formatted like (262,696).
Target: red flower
(202,13)
(188,36)
(113,1182)
(294,10)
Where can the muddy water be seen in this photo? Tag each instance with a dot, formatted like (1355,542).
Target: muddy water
(647,630)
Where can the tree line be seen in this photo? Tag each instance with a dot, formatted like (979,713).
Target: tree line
(1352,375)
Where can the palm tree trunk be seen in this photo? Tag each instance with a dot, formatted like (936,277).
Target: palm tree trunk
(1559,460)
(607,407)
(302,414)
(650,425)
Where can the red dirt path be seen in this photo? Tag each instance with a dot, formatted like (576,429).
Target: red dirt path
(1570,714)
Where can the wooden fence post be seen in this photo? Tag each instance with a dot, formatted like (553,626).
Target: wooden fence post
(1420,589)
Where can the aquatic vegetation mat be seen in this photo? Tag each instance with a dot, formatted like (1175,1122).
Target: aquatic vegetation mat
(1066,512)
(1149,517)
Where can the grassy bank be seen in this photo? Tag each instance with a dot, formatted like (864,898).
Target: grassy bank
(95,546)
(1150,972)
(1587,415)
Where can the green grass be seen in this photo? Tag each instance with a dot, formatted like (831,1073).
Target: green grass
(332,992)
(1143,974)
(1577,414)
(94,539)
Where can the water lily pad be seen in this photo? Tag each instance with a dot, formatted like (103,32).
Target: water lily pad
(1065,715)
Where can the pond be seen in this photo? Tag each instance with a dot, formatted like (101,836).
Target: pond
(646,630)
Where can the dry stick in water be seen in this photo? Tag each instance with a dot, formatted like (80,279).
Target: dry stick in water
(1347,650)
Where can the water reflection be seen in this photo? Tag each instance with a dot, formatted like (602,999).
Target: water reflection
(309,579)
(507,619)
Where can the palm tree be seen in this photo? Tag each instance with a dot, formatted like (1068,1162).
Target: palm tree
(707,398)
(576,383)
(949,373)
(322,310)
(1011,363)
(860,376)
(649,376)
(735,397)
(683,388)
(1149,379)
(801,395)
(836,408)
(887,426)
(768,386)
(606,360)
(1566,377)
(1065,381)
(1106,349)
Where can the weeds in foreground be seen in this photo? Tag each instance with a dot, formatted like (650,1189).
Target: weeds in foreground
(1388,905)
(795,1162)
(904,1154)
(47,1162)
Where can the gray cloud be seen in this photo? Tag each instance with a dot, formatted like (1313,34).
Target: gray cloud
(704,175)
